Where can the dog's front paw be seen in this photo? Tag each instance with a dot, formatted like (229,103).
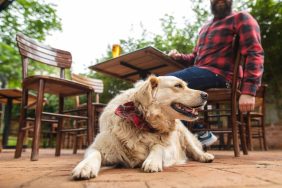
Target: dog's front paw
(206,158)
(151,165)
(85,170)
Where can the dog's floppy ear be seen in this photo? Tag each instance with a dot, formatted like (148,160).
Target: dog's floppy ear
(147,91)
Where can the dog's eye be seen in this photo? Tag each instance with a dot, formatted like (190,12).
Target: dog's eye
(178,85)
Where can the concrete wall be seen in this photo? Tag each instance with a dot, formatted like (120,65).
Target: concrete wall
(274,136)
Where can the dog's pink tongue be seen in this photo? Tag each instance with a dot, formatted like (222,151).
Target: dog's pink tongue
(187,109)
(192,111)
(184,108)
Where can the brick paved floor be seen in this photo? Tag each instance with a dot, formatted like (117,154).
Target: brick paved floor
(258,169)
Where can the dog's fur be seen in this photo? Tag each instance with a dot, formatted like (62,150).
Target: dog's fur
(120,142)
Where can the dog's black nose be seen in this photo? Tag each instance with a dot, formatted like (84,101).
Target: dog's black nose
(204,95)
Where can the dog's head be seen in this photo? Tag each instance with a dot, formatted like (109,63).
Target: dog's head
(170,97)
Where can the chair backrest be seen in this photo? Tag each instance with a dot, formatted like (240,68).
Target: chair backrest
(235,82)
(238,59)
(218,94)
(31,49)
(260,98)
(96,84)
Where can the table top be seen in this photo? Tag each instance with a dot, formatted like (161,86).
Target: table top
(16,95)
(138,64)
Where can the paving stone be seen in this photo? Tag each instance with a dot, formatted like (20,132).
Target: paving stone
(256,170)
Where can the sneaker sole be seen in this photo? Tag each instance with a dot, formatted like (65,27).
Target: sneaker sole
(209,141)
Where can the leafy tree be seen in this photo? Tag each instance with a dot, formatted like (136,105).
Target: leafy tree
(33,18)
(36,19)
(269,16)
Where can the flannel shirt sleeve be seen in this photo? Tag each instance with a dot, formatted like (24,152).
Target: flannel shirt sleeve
(189,59)
(251,49)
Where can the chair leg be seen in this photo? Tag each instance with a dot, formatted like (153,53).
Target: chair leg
(95,125)
(229,142)
(67,140)
(260,140)
(60,126)
(81,143)
(90,120)
(37,122)
(63,140)
(243,134)
(235,134)
(75,143)
(229,136)
(22,124)
(50,138)
(249,132)
(263,134)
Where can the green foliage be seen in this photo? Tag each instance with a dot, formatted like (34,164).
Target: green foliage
(33,18)
(269,16)
(8,58)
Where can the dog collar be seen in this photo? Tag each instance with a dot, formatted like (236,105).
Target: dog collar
(129,112)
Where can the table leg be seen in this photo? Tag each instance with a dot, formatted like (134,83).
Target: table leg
(7,122)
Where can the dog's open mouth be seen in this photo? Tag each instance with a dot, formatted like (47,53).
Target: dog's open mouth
(188,111)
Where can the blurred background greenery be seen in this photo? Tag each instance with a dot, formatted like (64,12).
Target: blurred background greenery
(38,19)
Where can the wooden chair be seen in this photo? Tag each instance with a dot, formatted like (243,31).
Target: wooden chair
(222,97)
(31,49)
(97,107)
(255,120)
(1,137)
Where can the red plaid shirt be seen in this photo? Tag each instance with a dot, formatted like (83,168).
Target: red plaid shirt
(214,49)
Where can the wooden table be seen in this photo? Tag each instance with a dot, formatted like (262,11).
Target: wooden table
(10,97)
(138,65)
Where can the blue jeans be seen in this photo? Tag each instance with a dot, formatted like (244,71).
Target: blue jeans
(200,79)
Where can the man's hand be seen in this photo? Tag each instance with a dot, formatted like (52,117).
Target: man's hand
(246,103)
(174,54)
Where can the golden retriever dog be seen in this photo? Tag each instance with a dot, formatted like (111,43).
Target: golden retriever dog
(141,127)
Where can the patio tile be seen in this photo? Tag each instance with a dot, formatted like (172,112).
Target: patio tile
(258,169)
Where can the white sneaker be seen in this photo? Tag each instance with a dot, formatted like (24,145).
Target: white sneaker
(207,138)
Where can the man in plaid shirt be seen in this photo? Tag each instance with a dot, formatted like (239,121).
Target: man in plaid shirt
(213,59)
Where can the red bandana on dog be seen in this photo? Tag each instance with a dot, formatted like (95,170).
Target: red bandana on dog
(129,112)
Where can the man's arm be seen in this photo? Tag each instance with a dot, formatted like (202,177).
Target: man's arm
(251,49)
(185,59)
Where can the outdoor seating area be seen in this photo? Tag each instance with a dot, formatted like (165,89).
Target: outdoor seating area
(193,106)
(83,125)
(132,66)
